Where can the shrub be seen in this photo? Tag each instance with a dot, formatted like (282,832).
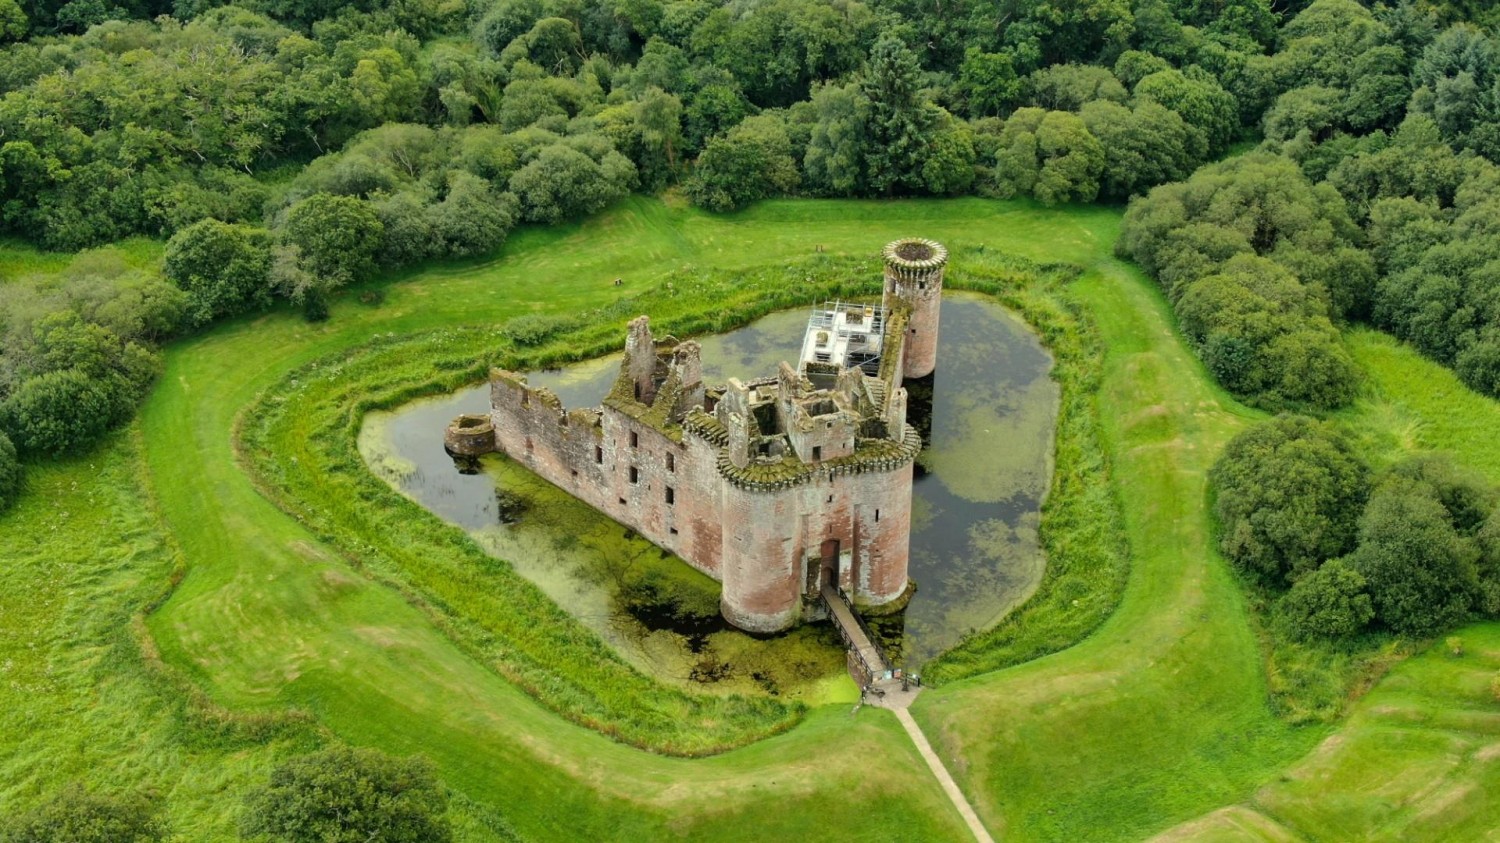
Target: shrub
(1420,568)
(534,329)
(64,411)
(1330,602)
(1289,495)
(77,816)
(753,161)
(10,472)
(338,237)
(564,183)
(1265,336)
(223,268)
(347,795)
(1489,564)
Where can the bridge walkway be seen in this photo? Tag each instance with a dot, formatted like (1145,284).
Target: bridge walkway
(870,661)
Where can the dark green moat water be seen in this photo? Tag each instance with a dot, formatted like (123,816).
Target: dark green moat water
(987,418)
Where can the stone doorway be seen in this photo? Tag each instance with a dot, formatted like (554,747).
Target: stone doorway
(829,563)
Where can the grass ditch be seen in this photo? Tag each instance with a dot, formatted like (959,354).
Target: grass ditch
(298,444)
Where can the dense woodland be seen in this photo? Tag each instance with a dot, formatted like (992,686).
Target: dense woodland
(1291,168)
(286,149)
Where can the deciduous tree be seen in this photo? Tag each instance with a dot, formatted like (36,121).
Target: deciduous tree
(1288,495)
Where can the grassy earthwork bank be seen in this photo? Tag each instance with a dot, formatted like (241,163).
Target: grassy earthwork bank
(1160,717)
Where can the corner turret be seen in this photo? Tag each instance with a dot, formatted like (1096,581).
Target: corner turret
(914,279)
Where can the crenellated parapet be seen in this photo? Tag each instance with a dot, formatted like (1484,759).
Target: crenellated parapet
(916,262)
(872,455)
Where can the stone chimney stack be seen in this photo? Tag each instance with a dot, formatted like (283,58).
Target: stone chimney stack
(687,362)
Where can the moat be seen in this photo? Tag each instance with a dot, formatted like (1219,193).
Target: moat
(987,417)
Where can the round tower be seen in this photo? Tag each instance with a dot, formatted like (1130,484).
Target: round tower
(914,279)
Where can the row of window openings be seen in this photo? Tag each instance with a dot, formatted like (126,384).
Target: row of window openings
(634,440)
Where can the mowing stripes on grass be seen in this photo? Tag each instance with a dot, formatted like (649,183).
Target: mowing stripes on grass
(81,701)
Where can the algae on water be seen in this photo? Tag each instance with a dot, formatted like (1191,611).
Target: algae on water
(975,509)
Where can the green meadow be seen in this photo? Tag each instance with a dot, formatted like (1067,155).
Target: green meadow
(211,591)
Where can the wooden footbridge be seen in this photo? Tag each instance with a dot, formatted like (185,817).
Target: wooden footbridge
(867,664)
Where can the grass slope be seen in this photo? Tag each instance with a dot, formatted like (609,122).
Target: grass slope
(1164,709)
(1421,752)
(79,702)
(1159,717)
(267,617)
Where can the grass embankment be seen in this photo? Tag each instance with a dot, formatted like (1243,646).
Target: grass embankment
(300,441)
(1419,757)
(1160,716)
(1223,680)
(81,701)
(1164,709)
(269,617)
(1087,560)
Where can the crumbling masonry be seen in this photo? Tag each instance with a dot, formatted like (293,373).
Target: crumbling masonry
(773,487)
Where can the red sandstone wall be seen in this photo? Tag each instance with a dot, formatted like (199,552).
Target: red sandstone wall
(920,348)
(757,543)
(529,430)
(763,579)
(883,520)
(773,544)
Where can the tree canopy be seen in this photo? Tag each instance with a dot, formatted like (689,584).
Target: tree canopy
(76,815)
(1288,495)
(347,795)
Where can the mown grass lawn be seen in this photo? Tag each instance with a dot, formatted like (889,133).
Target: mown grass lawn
(1158,718)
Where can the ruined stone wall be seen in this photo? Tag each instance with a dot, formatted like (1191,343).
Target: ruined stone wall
(715,488)
(883,523)
(591,454)
(765,546)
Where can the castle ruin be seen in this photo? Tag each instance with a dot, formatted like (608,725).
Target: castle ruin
(775,487)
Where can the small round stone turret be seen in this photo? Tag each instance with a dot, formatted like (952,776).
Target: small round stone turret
(914,278)
(470,435)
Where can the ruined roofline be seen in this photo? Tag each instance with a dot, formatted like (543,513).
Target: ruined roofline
(870,455)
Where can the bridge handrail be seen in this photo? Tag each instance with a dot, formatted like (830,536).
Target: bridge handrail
(863,627)
(881,663)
